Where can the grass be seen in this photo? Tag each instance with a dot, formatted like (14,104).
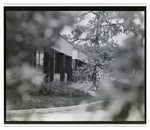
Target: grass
(56,96)
(15,101)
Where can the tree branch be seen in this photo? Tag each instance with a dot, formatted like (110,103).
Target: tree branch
(94,13)
(81,16)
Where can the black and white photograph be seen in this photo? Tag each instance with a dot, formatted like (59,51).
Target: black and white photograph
(75,65)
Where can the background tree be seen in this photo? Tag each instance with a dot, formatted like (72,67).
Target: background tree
(98,46)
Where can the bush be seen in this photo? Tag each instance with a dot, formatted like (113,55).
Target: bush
(81,74)
(57,88)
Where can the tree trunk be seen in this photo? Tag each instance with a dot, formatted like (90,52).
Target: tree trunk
(98,29)
(94,78)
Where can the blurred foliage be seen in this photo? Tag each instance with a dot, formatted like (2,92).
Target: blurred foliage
(128,61)
(26,32)
(129,64)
